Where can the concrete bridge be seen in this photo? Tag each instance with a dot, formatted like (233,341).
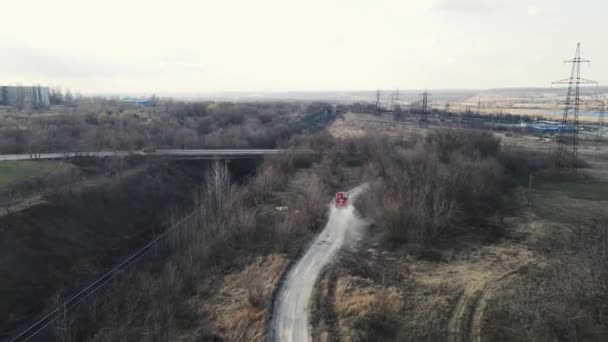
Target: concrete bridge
(170,154)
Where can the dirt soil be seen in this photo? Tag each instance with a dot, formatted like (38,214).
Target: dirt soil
(359,124)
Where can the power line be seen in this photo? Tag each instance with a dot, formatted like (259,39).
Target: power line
(424,117)
(566,155)
(600,122)
(378,104)
(395,100)
(397,113)
(75,300)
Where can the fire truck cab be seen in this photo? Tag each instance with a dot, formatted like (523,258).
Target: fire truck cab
(341,199)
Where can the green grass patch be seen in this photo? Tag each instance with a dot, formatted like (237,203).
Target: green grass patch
(12,172)
(569,201)
(593,191)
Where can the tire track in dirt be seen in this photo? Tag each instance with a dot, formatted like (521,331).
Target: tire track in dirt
(465,324)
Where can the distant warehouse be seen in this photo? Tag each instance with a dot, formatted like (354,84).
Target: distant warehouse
(19,96)
(544,126)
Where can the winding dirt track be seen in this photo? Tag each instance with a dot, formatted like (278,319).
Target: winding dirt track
(465,324)
(290,320)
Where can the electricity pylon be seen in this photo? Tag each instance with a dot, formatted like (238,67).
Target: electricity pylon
(566,154)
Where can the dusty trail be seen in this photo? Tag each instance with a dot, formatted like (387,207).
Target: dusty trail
(290,322)
(465,324)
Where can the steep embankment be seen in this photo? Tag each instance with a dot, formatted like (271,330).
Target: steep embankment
(63,243)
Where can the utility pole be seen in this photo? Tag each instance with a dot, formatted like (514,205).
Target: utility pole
(566,154)
(467,113)
(396,104)
(600,122)
(424,118)
(397,115)
(378,105)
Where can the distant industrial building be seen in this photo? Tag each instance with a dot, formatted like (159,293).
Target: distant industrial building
(19,96)
(142,102)
(545,126)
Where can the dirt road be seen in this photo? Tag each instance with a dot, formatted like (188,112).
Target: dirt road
(290,322)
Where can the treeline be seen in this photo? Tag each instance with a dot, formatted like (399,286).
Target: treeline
(111,125)
(445,179)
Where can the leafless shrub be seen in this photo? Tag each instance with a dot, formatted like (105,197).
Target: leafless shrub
(64,325)
(314,203)
(468,142)
(521,163)
(425,191)
(255,286)
(285,230)
(331,171)
(267,180)
(63,178)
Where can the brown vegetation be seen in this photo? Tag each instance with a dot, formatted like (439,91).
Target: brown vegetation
(110,125)
(223,262)
(442,197)
(450,178)
(65,239)
(439,262)
(563,299)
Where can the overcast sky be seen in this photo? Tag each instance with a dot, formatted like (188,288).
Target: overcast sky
(195,46)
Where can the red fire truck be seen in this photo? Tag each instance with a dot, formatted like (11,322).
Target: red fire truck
(341,199)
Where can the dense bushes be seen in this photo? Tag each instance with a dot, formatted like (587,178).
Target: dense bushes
(470,143)
(421,187)
(450,178)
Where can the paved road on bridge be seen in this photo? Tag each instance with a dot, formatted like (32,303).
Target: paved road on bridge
(176,154)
